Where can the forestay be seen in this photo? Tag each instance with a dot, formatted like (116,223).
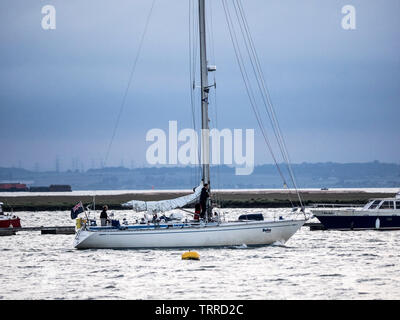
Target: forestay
(164,205)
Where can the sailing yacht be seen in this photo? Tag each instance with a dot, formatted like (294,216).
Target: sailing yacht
(157,231)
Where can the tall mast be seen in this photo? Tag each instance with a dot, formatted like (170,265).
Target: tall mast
(205,135)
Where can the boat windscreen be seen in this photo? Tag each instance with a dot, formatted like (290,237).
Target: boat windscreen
(374,204)
(387,205)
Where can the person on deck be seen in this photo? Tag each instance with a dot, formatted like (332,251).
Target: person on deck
(197,210)
(204,195)
(104,216)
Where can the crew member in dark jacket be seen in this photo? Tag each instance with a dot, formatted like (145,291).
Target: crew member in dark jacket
(203,200)
(104,216)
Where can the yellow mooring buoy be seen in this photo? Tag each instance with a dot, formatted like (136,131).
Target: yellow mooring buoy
(190,255)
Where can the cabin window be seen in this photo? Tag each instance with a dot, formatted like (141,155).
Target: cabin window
(374,204)
(387,205)
(397,204)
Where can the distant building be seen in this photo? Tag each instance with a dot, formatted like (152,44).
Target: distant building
(59,187)
(13,187)
(39,189)
(51,188)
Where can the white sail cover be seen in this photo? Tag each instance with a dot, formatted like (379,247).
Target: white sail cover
(164,205)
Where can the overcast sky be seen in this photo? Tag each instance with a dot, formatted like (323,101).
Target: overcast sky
(336,92)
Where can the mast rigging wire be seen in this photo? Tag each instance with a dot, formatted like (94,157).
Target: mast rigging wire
(129,81)
(193,31)
(269,108)
(250,92)
(216,198)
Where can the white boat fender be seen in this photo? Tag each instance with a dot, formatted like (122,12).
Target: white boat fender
(377,223)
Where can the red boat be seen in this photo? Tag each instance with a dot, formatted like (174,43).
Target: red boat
(8,220)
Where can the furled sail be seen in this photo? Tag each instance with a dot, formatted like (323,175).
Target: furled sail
(164,205)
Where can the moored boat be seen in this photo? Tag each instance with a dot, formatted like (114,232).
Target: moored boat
(209,230)
(187,234)
(8,220)
(377,214)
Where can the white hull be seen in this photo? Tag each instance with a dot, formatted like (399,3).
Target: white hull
(226,234)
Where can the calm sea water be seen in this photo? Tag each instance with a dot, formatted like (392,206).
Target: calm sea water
(311,265)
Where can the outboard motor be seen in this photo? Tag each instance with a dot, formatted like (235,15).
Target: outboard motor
(252,216)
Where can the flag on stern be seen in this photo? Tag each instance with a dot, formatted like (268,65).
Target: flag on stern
(76,210)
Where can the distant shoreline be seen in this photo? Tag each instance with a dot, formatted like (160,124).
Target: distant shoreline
(227,198)
(308,175)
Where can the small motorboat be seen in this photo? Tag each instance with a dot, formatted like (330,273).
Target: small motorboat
(377,214)
(8,220)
